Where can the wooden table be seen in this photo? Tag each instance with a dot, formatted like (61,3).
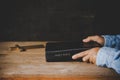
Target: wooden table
(31,65)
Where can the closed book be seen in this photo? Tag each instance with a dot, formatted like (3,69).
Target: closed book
(63,51)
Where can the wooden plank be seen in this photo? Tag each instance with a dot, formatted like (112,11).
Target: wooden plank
(32,64)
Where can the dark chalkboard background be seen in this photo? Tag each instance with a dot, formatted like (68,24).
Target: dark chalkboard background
(51,20)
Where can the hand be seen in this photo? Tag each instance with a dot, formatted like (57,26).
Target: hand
(98,39)
(88,55)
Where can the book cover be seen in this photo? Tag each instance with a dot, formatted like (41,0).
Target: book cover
(63,51)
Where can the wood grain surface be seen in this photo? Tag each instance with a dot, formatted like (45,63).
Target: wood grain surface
(31,65)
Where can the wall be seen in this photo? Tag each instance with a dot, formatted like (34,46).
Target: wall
(50,20)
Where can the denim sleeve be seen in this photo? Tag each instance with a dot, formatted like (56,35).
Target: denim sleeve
(112,41)
(109,57)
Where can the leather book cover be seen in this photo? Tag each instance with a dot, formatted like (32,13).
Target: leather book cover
(63,51)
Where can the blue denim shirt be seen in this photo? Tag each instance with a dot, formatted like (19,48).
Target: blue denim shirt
(109,54)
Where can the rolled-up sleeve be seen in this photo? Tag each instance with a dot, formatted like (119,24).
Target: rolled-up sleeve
(109,57)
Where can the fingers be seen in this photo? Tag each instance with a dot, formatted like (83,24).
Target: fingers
(92,59)
(98,39)
(90,38)
(88,55)
(79,55)
(84,55)
(86,58)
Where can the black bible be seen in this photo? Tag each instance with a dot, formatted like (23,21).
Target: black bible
(63,51)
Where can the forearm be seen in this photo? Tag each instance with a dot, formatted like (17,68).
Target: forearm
(109,57)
